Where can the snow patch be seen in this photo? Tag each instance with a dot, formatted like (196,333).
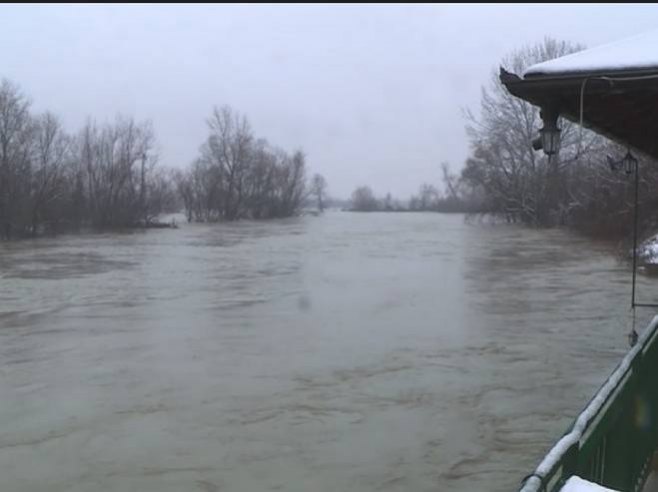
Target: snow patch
(647,252)
(577,484)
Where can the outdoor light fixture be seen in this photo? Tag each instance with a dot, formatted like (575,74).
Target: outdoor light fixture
(630,162)
(632,337)
(550,133)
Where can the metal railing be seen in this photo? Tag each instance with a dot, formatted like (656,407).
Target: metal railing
(613,439)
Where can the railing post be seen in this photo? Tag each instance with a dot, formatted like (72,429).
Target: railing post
(636,435)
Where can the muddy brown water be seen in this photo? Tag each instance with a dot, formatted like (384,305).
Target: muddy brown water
(347,352)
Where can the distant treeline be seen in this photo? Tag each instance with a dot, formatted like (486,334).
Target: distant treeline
(457,198)
(107,175)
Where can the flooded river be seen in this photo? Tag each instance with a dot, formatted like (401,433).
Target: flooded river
(348,352)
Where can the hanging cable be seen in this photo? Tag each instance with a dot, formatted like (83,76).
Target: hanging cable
(611,81)
(635,221)
(582,108)
(582,112)
(632,337)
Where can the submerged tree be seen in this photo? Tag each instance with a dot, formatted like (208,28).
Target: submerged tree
(16,134)
(239,176)
(319,190)
(107,176)
(118,162)
(50,180)
(363,200)
(52,155)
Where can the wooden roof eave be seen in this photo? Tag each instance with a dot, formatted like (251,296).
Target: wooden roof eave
(604,90)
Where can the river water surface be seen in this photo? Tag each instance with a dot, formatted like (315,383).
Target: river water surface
(347,352)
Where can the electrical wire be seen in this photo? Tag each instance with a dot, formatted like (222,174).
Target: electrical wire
(611,81)
(582,112)
(632,336)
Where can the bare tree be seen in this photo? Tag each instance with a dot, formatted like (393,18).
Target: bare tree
(520,183)
(16,130)
(106,177)
(450,181)
(292,183)
(428,196)
(228,151)
(515,182)
(159,193)
(238,176)
(363,200)
(388,202)
(51,154)
(319,190)
(117,163)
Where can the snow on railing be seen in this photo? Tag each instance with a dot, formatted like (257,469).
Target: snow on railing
(548,466)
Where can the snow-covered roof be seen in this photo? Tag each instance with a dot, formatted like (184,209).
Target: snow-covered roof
(577,484)
(634,53)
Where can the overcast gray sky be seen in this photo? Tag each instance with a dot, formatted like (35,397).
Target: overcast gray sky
(373,94)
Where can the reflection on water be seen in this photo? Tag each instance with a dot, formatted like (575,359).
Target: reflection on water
(366,352)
